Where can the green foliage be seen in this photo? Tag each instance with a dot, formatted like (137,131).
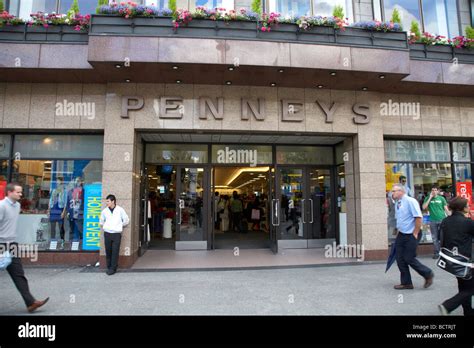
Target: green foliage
(338,12)
(73,10)
(256,6)
(101,3)
(2,7)
(469,32)
(415,29)
(396,17)
(172,5)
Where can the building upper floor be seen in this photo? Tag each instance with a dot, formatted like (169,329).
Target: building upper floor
(439,17)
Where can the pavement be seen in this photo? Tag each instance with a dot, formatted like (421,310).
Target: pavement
(340,289)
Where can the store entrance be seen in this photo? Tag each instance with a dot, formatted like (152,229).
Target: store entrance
(306,200)
(241,207)
(177,204)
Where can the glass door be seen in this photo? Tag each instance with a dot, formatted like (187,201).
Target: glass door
(192,204)
(291,201)
(144,215)
(306,208)
(273,206)
(321,218)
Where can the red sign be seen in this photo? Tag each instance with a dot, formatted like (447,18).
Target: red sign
(464,189)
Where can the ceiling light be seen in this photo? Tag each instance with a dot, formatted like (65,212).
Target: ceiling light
(320,86)
(381,76)
(228,82)
(273,84)
(281,70)
(175,67)
(128,80)
(118,66)
(178,81)
(333,73)
(364,88)
(230,68)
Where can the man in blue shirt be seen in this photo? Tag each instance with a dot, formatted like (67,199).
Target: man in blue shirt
(409,219)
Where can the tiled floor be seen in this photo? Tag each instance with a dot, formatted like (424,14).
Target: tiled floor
(171,259)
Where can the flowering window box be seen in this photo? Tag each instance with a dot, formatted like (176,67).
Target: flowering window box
(464,55)
(237,29)
(12,32)
(360,36)
(115,24)
(280,32)
(198,28)
(58,33)
(318,34)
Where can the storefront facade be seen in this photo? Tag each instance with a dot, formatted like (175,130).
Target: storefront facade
(314,123)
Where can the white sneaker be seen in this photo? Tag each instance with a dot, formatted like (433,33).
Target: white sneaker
(443,310)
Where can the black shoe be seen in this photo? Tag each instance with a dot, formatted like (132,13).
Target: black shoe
(429,280)
(110,272)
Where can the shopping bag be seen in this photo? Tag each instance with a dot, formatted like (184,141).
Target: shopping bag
(255,214)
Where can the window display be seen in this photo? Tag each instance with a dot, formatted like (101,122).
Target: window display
(52,207)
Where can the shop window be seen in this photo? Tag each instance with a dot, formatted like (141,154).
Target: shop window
(417,151)
(304,155)
(440,17)
(461,152)
(420,177)
(291,8)
(3,178)
(53,207)
(58,146)
(175,153)
(326,8)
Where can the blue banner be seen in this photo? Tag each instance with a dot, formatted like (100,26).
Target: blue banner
(92,210)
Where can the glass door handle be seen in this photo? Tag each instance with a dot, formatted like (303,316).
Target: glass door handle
(275,212)
(180,205)
(303,211)
(311,208)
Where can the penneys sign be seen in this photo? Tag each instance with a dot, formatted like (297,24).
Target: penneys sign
(291,109)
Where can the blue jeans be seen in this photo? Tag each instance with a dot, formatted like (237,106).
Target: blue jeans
(406,245)
(435,228)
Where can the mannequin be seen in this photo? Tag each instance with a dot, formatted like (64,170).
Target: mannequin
(57,204)
(75,209)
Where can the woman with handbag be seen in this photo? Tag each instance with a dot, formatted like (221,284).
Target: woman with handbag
(457,233)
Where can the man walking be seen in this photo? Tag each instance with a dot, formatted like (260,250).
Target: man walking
(438,209)
(409,218)
(9,212)
(112,219)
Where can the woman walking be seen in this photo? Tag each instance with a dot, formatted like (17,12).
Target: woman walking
(458,232)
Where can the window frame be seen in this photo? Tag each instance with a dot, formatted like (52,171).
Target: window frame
(422,17)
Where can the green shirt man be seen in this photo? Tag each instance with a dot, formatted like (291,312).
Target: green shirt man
(436,206)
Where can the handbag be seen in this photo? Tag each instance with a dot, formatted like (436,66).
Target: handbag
(454,263)
(5,260)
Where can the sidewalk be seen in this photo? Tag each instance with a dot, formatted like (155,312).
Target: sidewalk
(361,289)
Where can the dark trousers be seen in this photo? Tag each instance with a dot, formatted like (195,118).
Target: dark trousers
(112,249)
(462,298)
(237,221)
(406,245)
(16,272)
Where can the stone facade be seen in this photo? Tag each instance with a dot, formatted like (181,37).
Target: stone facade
(30,107)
